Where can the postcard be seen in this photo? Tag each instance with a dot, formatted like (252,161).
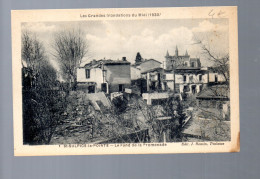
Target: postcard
(125,81)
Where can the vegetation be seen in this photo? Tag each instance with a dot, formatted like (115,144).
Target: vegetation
(138,58)
(42,104)
(69,48)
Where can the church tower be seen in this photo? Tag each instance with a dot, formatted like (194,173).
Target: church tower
(176,51)
(167,54)
(186,53)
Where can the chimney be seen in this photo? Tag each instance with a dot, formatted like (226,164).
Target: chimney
(124,58)
(93,62)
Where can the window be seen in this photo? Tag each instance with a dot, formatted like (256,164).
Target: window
(192,64)
(91,89)
(200,87)
(184,78)
(120,88)
(186,88)
(153,85)
(216,78)
(104,87)
(87,73)
(193,89)
(200,77)
(177,88)
(164,76)
(165,85)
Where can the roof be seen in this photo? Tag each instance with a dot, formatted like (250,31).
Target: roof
(153,69)
(96,64)
(150,60)
(114,62)
(182,57)
(215,92)
(187,68)
(168,71)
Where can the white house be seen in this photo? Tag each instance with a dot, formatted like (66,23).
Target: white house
(104,75)
(190,80)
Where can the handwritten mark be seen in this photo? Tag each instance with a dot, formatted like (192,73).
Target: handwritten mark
(220,14)
(211,13)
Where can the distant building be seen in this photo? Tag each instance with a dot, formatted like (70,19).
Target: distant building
(175,61)
(104,75)
(190,80)
(189,76)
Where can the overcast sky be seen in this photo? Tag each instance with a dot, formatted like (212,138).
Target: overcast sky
(152,38)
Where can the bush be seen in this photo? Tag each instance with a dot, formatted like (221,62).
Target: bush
(120,104)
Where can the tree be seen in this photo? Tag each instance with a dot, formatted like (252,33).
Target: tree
(180,114)
(70,47)
(216,128)
(33,53)
(42,104)
(220,62)
(138,58)
(120,104)
(161,124)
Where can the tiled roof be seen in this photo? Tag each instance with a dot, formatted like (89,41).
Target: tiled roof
(94,64)
(216,92)
(150,60)
(153,69)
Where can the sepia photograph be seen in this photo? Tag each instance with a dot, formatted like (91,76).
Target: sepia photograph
(125,81)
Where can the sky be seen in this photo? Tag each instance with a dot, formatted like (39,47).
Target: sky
(152,38)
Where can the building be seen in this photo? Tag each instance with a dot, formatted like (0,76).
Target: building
(190,80)
(154,79)
(214,102)
(135,73)
(148,65)
(169,80)
(140,75)
(104,75)
(175,61)
(184,74)
(157,90)
(215,77)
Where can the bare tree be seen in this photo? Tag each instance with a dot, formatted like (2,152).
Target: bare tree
(220,62)
(70,46)
(42,103)
(33,52)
